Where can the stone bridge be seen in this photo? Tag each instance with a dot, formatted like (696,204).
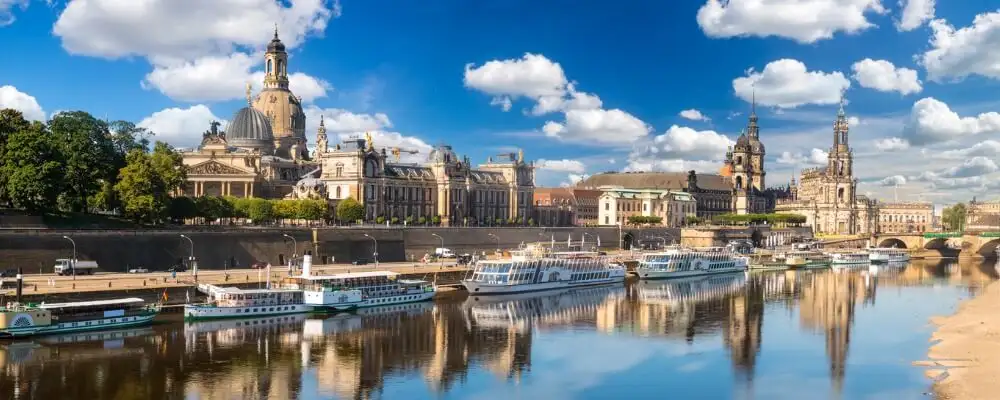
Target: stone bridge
(967,244)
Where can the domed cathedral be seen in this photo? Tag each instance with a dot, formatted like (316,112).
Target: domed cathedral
(445,186)
(262,152)
(827,196)
(283,108)
(745,165)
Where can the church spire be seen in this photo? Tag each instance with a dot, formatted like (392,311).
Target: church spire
(752,128)
(840,126)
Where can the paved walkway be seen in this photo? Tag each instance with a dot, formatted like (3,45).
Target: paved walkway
(51,284)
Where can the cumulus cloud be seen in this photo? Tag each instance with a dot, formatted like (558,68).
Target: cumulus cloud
(694,115)
(972,167)
(671,165)
(883,76)
(986,148)
(220,78)
(892,144)
(804,21)
(10,97)
(576,178)
(564,165)
(342,125)
(786,83)
(543,81)
(679,149)
(932,121)
(203,51)
(890,181)
(915,14)
(815,157)
(181,127)
(958,53)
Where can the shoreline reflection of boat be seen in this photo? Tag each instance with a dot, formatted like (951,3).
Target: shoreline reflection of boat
(354,320)
(697,289)
(520,310)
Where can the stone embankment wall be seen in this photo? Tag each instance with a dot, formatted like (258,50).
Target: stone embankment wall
(35,250)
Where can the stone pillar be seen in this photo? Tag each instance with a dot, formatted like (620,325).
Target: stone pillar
(246,187)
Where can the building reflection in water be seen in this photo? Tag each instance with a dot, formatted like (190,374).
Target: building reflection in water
(356,355)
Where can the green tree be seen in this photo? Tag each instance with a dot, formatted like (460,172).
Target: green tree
(87,151)
(409,220)
(953,218)
(182,208)
(692,220)
(422,220)
(260,211)
(125,136)
(140,189)
(169,165)
(436,220)
(31,169)
(379,219)
(285,209)
(349,210)
(312,210)
(11,121)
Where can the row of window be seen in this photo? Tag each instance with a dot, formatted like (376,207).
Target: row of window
(903,218)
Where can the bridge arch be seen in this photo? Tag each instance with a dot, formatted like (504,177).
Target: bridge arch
(936,244)
(989,249)
(892,242)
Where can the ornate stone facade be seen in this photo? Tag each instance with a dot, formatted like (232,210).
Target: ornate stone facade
(446,186)
(827,197)
(905,217)
(982,216)
(745,165)
(713,193)
(280,105)
(618,204)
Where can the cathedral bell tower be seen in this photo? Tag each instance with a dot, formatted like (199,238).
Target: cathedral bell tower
(840,162)
(276,64)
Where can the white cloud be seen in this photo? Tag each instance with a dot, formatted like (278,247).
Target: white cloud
(891,181)
(915,13)
(892,144)
(681,141)
(181,127)
(786,83)
(853,121)
(576,178)
(564,165)
(671,165)
(957,53)
(815,157)
(598,127)
(7,10)
(219,78)
(694,115)
(544,82)
(10,97)
(342,125)
(883,76)
(933,121)
(972,167)
(200,51)
(805,21)
(986,148)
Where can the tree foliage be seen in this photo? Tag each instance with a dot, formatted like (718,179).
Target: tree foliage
(644,219)
(88,153)
(31,167)
(350,210)
(953,218)
(147,181)
(745,219)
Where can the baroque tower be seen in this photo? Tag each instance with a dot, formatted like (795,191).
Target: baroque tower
(745,163)
(840,161)
(284,109)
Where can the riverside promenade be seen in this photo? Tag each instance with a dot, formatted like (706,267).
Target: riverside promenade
(50,284)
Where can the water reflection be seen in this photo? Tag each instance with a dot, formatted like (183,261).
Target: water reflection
(826,332)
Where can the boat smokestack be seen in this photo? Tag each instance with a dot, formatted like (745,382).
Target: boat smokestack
(307,263)
(20,284)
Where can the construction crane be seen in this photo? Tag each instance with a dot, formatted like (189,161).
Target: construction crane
(396,151)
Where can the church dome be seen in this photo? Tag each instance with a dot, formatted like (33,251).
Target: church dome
(275,45)
(442,154)
(743,141)
(250,128)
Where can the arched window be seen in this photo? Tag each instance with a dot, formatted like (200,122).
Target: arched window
(339,169)
(338,192)
(739,182)
(281,67)
(269,67)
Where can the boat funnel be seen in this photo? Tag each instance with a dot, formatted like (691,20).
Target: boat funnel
(307,263)
(20,284)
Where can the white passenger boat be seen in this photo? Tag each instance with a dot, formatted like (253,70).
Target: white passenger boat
(681,262)
(883,255)
(850,258)
(533,269)
(347,291)
(802,259)
(231,302)
(19,320)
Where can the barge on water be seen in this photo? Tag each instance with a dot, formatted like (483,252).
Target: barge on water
(535,269)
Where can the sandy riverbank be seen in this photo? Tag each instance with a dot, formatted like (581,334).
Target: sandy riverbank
(965,356)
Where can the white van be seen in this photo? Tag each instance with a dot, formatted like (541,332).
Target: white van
(444,253)
(65,266)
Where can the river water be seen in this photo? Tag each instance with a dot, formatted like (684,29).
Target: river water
(768,335)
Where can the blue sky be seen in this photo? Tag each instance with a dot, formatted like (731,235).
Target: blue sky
(581,86)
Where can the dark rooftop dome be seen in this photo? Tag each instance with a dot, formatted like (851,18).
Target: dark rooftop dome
(250,128)
(275,45)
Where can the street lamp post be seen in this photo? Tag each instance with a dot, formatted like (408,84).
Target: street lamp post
(495,238)
(295,250)
(375,253)
(73,261)
(440,257)
(191,260)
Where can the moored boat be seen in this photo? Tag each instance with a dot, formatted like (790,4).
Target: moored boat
(533,269)
(850,258)
(683,262)
(347,291)
(231,302)
(884,255)
(20,320)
